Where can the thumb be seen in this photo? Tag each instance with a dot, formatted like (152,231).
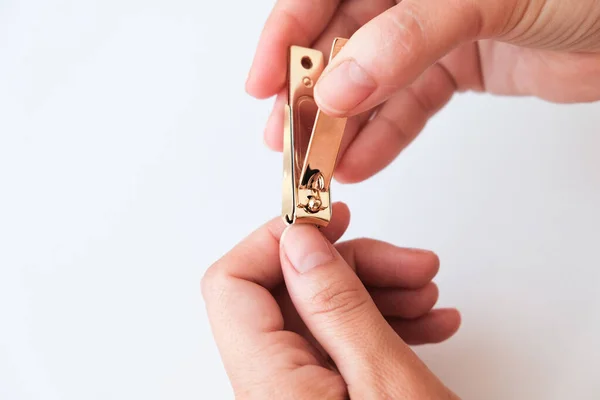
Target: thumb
(396,47)
(339,312)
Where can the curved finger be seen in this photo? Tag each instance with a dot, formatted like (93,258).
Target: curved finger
(236,291)
(395,125)
(256,258)
(435,327)
(339,223)
(273,134)
(338,311)
(393,49)
(291,22)
(347,19)
(402,303)
(383,265)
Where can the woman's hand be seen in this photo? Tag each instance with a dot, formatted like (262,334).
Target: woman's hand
(296,317)
(406,58)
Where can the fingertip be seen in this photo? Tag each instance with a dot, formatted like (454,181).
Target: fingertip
(425,262)
(435,292)
(270,144)
(326,108)
(343,87)
(418,266)
(263,80)
(457,316)
(283,234)
(345,178)
(267,74)
(273,134)
(343,213)
(258,89)
(405,304)
(304,248)
(450,318)
(342,210)
(432,261)
(435,327)
(339,222)
(355,167)
(250,85)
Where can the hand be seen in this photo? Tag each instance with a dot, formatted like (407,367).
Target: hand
(296,317)
(405,59)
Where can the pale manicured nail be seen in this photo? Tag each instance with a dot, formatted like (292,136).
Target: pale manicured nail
(344,87)
(305,247)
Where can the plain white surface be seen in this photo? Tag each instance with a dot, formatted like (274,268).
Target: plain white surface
(127,145)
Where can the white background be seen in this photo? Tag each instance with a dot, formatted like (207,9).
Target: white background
(128,148)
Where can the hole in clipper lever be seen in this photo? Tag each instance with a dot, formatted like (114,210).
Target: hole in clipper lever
(306,62)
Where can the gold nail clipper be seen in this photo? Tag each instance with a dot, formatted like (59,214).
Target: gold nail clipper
(311,141)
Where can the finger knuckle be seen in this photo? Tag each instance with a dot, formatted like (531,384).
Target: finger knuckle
(211,279)
(407,28)
(472,18)
(338,298)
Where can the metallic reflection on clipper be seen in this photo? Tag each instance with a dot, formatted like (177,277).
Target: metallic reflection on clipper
(311,141)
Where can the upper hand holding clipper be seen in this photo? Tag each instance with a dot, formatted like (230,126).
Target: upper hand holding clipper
(405,59)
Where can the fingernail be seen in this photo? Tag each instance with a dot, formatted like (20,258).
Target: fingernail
(344,87)
(305,247)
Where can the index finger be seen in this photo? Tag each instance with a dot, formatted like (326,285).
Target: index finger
(292,22)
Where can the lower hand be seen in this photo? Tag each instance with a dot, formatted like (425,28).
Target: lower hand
(297,317)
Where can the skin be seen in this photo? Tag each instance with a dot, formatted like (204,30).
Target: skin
(411,56)
(295,317)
